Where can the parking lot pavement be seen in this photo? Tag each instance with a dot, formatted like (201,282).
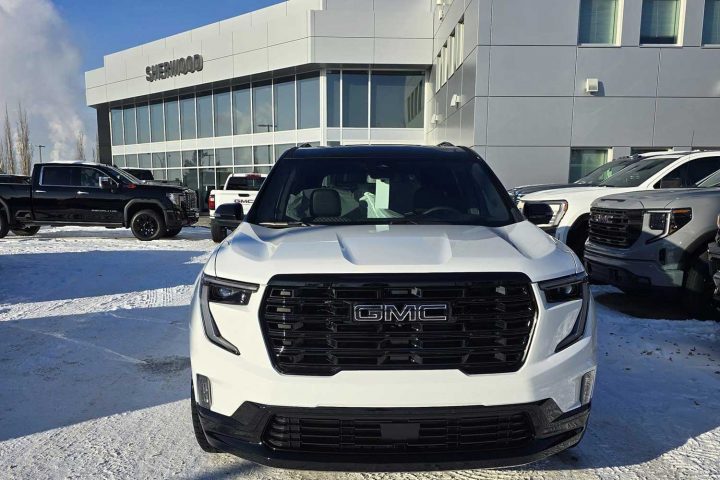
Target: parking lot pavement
(94,371)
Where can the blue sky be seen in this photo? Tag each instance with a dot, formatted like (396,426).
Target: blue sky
(104,26)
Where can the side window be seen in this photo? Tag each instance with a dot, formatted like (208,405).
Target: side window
(701,168)
(90,177)
(60,176)
(674,179)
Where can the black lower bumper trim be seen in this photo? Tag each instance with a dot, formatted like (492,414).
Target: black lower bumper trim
(245,434)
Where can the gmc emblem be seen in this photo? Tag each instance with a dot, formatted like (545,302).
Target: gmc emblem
(435,312)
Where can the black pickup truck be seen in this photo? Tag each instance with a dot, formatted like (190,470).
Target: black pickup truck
(91,194)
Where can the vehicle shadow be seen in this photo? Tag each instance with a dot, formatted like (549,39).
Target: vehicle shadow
(58,371)
(646,306)
(23,277)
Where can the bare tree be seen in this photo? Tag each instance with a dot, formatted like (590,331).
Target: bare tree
(8,150)
(95,150)
(24,148)
(80,145)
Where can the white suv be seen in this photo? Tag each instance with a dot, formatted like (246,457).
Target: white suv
(564,213)
(389,308)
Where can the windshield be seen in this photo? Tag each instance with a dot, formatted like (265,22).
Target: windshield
(249,182)
(712,180)
(637,173)
(123,176)
(330,191)
(603,173)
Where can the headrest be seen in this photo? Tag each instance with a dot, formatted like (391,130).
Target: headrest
(325,202)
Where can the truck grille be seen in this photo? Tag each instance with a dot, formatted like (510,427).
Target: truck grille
(191,202)
(309,327)
(615,228)
(402,434)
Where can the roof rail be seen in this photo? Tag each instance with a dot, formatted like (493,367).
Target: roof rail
(305,145)
(445,144)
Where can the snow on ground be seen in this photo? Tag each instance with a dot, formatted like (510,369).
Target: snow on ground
(94,374)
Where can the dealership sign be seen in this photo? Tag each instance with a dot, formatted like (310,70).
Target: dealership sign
(173,68)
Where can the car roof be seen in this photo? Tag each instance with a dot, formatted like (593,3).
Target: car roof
(374,151)
(73,162)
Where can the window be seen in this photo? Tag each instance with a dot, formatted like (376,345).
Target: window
(262,108)
(90,177)
(116,121)
(263,154)
(207,158)
(59,176)
(333,99)
(187,117)
(308,101)
(189,158)
(129,125)
(222,111)
(143,123)
(711,24)
(689,174)
(174,175)
(158,160)
(459,44)
(241,110)
(396,100)
(660,22)
(282,148)
(172,120)
(243,155)
(355,99)
(223,156)
(119,161)
(204,115)
(584,161)
(174,159)
(284,104)
(145,160)
(157,132)
(598,19)
(222,175)
(131,160)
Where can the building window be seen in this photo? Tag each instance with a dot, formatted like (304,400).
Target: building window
(711,24)
(282,148)
(585,160)
(174,160)
(116,122)
(262,108)
(333,98)
(660,22)
(131,161)
(263,155)
(158,160)
(187,118)
(143,123)
(119,161)
(284,104)
(206,158)
(144,160)
(221,110)
(129,125)
(172,120)
(396,100)
(598,22)
(224,157)
(308,101)
(459,44)
(189,158)
(355,99)
(204,115)
(242,123)
(157,130)
(243,156)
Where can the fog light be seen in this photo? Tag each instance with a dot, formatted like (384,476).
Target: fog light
(586,387)
(203,390)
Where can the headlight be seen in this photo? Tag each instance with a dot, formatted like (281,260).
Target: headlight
(667,222)
(175,198)
(569,289)
(544,214)
(218,290)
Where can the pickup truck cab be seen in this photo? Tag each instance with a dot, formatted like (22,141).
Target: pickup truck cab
(389,308)
(92,194)
(566,211)
(239,188)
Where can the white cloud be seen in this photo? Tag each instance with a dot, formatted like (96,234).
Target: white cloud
(41,67)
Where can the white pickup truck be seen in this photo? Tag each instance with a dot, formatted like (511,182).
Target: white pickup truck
(239,188)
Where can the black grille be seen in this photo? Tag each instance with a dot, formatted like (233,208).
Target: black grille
(309,327)
(615,228)
(386,435)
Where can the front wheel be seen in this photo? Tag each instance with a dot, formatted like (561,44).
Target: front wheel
(699,287)
(147,225)
(25,231)
(4,225)
(172,232)
(217,232)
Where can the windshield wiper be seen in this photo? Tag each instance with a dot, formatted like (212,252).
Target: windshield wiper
(284,224)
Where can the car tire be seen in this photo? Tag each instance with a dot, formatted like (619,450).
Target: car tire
(698,288)
(172,232)
(4,225)
(218,233)
(147,225)
(197,428)
(25,231)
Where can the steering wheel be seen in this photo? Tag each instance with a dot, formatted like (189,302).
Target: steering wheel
(440,209)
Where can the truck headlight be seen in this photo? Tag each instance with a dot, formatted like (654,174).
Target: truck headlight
(667,222)
(219,290)
(175,198)
(556,210)
(569,289)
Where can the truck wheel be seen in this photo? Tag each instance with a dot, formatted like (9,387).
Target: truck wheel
(147,225)
(4,225)
(197,428)
(25,231)
(172,232)
(218,233)
(697,295)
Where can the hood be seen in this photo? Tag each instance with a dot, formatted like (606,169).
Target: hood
(528,189)
(656,199)
(161,187)
(255,254)
(564,193)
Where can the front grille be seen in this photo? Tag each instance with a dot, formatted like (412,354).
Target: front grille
(429,434)
(309,327)
(615,228)
(191,202)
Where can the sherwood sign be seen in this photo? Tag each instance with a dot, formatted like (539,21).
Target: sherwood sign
(173,68)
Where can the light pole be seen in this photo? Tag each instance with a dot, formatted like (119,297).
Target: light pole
(40,147)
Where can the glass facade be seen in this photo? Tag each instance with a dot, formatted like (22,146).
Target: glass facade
(284,104)
(584,161)
(397,100)
(262,108)
(308,101)
(355,99)
(204,109)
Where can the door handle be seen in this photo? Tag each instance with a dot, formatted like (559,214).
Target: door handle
(40,191)
(82,193)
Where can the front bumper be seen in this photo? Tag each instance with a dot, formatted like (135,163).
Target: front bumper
(423,446)
(632,274)
(181,218)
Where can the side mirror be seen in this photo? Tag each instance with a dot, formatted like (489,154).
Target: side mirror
(230,211)
(107,183)
(538,213)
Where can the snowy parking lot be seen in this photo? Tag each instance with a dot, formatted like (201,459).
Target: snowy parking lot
(95,379)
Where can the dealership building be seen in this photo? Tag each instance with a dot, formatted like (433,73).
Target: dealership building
(544,90)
